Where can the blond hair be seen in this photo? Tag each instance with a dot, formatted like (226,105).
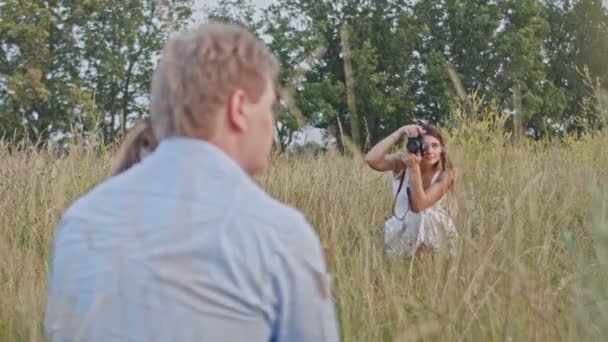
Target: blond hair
(199,71)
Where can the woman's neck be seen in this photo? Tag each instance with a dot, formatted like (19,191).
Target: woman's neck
(428,168)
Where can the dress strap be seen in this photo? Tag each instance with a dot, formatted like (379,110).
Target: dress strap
(436,176)
(402,178)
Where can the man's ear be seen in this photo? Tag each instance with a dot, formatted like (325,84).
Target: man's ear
(236,112)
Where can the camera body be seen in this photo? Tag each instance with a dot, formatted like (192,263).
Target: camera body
(416,145)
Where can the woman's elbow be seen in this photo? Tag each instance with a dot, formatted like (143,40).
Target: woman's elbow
(417,208)
(370,161)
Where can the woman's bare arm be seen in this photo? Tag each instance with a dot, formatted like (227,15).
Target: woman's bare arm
(378,157)
(422,199)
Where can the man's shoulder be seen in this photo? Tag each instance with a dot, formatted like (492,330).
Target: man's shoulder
(284,221)
(261,206)
(96,200)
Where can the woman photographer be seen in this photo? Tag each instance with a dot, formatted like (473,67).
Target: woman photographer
(421,176)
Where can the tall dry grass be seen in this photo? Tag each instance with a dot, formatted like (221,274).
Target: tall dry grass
(531,265)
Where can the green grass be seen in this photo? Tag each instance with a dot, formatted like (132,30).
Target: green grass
(531,265)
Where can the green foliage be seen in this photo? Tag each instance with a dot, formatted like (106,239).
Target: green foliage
(75,64)
(521,55)
(86,64)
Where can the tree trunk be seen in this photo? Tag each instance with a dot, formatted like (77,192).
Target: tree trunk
(355,127)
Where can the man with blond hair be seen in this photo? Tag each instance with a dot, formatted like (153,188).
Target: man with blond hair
(184,246)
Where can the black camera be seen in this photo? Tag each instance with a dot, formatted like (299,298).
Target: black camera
(415,145)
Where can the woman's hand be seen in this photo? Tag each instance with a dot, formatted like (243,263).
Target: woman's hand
(379,159)
(411,159)
(411,131)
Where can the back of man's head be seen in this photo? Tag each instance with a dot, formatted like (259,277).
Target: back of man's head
(199,70)
(217,83)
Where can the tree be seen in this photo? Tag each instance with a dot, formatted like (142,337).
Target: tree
(471,28)
(38,64)
(560,52)
(122,40)
(380,37)
(72,63)
(521,72)
(66,64)
(590,31)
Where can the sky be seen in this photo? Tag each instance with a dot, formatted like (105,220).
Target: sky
(264,3)
(259,3)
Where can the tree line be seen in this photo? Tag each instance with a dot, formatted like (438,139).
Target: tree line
(359,68)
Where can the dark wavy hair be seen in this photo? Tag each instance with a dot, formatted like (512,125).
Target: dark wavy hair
(139,140)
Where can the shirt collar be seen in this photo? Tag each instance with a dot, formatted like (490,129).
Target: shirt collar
(201,154)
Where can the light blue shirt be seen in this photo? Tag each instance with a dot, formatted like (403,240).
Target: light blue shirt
(185,246)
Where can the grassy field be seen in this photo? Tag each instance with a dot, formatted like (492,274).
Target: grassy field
(531,266)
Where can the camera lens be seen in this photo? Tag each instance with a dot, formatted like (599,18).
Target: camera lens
(413,145)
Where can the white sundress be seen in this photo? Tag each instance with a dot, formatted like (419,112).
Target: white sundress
(430,227)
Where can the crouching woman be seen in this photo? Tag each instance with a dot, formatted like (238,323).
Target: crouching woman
(422,176)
